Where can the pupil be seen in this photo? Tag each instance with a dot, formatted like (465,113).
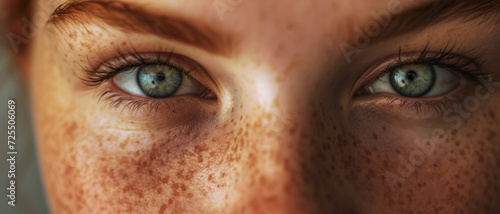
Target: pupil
(160,77)
(412,75)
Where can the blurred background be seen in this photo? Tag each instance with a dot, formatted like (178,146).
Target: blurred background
(30,197)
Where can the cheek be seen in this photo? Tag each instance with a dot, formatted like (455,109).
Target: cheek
(103,171)
(419,169)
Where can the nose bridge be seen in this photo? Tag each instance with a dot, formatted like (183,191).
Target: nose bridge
(273,175)
(298,157)
(288,142)
(266,175)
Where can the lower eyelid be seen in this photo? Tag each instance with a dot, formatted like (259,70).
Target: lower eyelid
(138,108)
(415,108)
(405,109)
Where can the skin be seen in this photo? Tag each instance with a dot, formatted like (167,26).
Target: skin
(284,135)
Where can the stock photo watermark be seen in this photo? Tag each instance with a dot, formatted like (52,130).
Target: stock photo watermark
(426,148)
(372,29)
(11,151)
(28,29)
(223,6)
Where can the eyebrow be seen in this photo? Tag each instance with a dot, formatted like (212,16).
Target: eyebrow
(434,12)
(133,18)
(128,17)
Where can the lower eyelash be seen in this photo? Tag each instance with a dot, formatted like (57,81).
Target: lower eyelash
(439,106)
(467,68)
(97,74)
(117,100)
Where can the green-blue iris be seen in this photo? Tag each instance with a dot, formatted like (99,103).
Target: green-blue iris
(159,81)
(413,80)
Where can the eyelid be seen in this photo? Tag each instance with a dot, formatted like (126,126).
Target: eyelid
(459,64)
(445,82)
(98,73)
(468,69)
(132,104)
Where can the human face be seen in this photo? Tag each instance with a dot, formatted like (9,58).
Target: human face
(286,108)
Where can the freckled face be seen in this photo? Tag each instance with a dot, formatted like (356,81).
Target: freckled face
(285,131)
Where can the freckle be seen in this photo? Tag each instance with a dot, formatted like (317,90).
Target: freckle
(70,131)
(491,136)
(183,187)
(481,143)
(159,190)
(480,158)
(163,208)
(386,163)
(492,114)
(454,132)
(374,136)
(462,152)
(182,162)
(175,186)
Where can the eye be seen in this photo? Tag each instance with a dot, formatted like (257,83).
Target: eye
(157,81)
(415,80)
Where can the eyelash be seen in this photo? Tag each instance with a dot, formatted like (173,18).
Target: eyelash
(97,75)
(459,63)
(446,58)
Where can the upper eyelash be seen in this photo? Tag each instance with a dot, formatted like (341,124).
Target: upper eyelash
(96,75)
(446,58)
